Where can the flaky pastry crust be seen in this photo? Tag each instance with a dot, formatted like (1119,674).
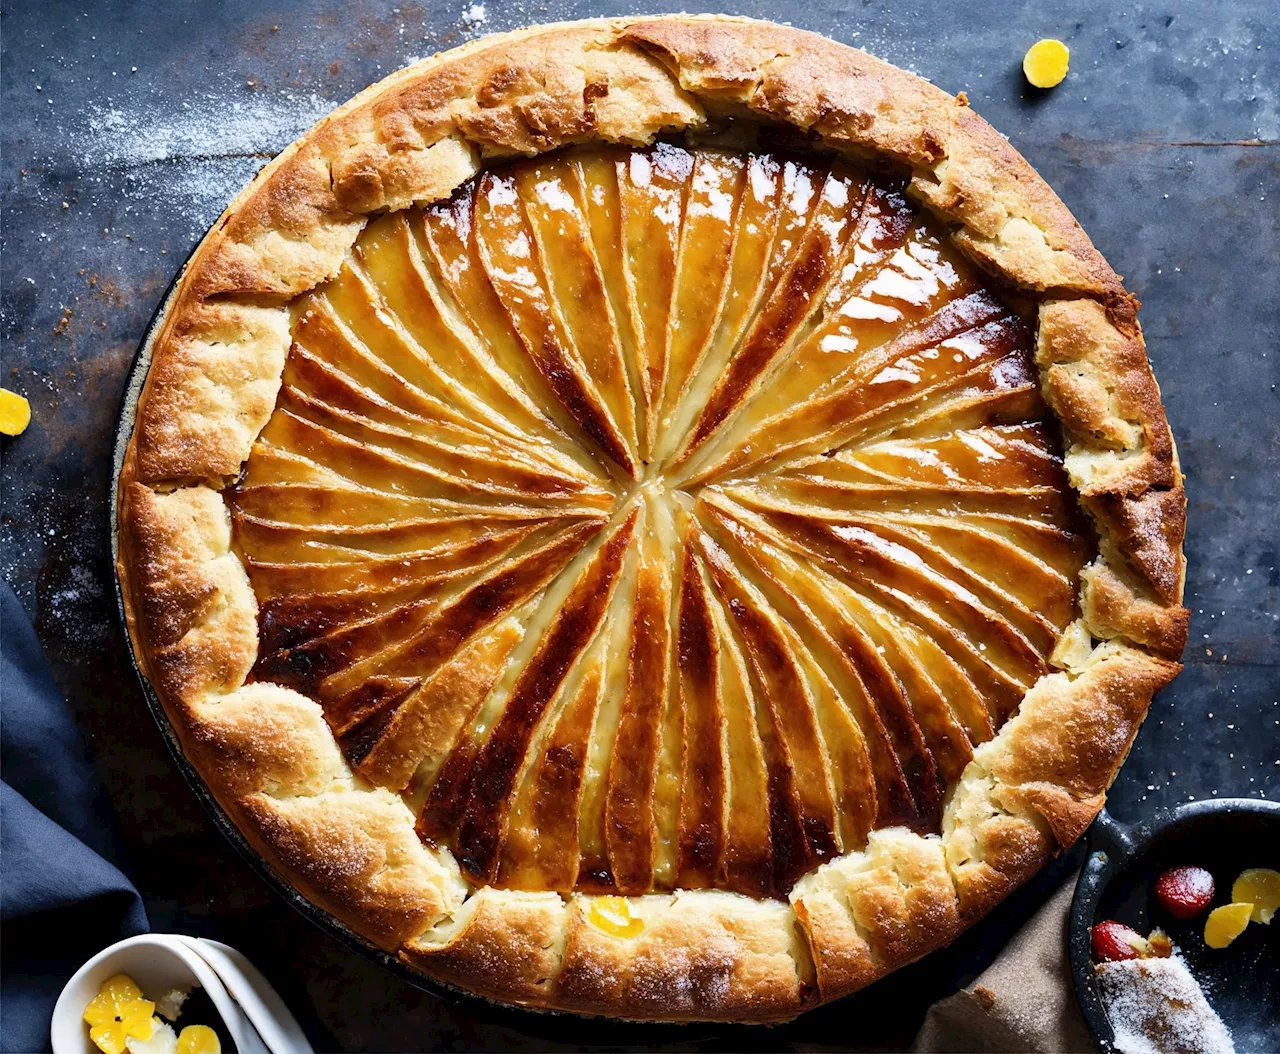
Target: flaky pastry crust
(265,750)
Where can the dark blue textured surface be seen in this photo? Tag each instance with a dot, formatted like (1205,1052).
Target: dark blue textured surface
(1164,141)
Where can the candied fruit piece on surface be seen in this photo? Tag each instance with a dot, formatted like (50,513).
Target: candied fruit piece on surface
(15,412)
(1259,886)
(1184,892)
(1045,63)
(1226,923)
(117,1013)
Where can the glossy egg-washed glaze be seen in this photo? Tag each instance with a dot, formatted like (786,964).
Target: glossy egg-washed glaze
(659,518)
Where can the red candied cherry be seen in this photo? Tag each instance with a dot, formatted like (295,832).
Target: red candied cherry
(1112,941)
(1184,892)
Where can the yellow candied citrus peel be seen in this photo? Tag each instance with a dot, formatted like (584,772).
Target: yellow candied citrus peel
(199,1039)
(613,915)
(119,1013)
(1259,886)
(1045,63)
(15,412)
(1226,923)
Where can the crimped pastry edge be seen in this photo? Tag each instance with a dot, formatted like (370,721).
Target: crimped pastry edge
(705,954)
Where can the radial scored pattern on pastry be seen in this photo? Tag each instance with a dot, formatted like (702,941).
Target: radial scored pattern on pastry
(666,518)
(742,418)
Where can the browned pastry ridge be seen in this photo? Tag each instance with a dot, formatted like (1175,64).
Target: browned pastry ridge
(592,660)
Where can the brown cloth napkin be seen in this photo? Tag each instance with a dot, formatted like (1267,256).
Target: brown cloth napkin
(1023,1001)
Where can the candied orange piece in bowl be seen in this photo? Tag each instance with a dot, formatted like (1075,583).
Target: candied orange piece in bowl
(118,1013)
(198,1039)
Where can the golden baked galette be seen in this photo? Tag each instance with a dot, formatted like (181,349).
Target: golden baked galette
(664,518)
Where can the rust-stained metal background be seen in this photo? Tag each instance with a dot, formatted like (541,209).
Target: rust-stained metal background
(127,126)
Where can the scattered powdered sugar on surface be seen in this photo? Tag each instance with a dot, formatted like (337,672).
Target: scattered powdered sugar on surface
(191,155)
(204,125)
(473,17)
(1156,1006)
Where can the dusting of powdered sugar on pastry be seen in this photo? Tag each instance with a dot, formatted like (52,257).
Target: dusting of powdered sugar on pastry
(1156,1006)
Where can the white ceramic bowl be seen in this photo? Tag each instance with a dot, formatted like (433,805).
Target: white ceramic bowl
(253,1013)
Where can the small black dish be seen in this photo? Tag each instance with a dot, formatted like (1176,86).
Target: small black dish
(1224,836)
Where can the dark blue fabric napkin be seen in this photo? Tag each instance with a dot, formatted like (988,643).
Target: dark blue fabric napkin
(60,900)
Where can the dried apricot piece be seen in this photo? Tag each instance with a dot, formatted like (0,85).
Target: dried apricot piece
(15,412)
(613,915)
(1226,923)
(1259,886)
(199,1039)
(1045,63)
(117,1013)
